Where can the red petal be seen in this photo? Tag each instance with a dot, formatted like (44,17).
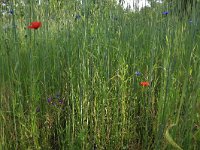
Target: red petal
(35,25)
(144,83)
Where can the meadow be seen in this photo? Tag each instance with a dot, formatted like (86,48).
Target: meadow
(96,76)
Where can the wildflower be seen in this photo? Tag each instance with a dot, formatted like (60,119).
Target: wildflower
(60,101)
(49,100)
(165,13)
(137,73)
(55,100)
(3,4)
(11,12)
(77,17)
(35,25)
(146,83)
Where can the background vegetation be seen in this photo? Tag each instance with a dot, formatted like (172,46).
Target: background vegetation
(74,83)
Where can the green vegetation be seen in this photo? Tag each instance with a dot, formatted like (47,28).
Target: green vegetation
(74,83)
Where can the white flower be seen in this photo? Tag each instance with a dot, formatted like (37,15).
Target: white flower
(3,4)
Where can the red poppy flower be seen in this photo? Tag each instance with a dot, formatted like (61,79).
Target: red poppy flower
(35,25)
(144,83)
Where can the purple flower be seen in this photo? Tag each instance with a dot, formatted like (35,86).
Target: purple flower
(165,13)
(49,100)
(56,100)
(60,101)
(11,12)
(137,73)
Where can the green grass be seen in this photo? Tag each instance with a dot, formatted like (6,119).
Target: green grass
(90,64)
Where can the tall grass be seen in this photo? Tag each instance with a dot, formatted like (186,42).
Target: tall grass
(71,84)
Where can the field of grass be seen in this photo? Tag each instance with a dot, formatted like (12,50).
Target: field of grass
(75,82)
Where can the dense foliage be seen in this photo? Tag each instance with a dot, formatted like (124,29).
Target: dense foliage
(91,75)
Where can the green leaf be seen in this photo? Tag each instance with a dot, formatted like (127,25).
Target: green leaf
(170,139)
